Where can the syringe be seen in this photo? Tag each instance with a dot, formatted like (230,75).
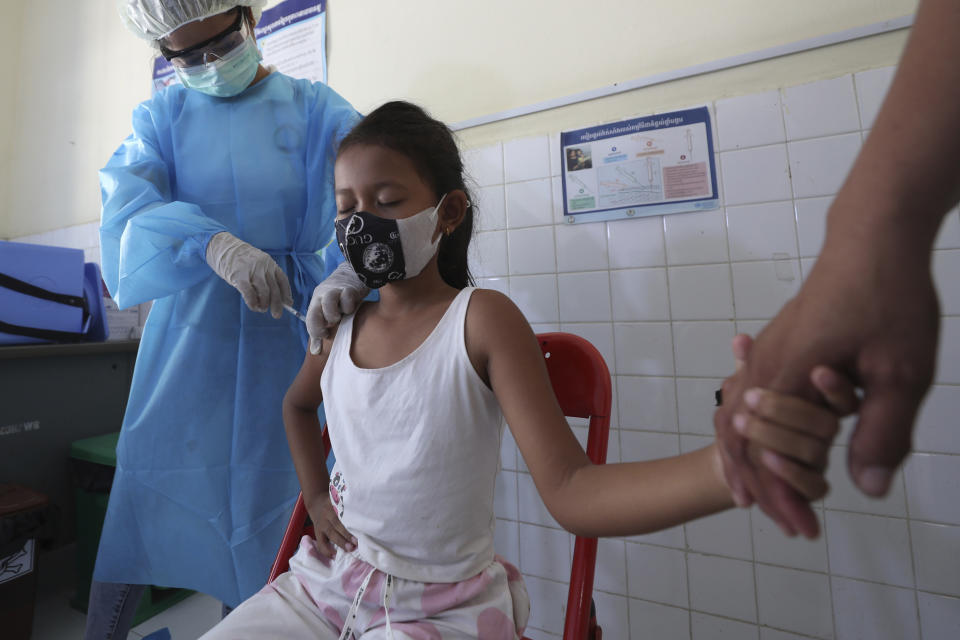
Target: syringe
(296,313)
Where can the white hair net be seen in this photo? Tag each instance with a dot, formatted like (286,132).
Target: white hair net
(155,19)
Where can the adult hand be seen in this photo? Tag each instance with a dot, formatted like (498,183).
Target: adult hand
(328,530)
(256,275)
(338,295)
(869,310)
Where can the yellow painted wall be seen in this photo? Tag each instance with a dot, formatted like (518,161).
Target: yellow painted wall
(868,53)
(10,54)
(463,58)
(459,58)
(79,77)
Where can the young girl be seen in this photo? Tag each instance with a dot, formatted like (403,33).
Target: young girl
(416,387)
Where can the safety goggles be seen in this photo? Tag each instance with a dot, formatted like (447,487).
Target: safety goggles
(211,49)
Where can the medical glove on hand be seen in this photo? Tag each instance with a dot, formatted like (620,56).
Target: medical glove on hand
(256,275)
(338,295)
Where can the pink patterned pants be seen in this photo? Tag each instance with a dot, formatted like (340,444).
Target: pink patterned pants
(343,598)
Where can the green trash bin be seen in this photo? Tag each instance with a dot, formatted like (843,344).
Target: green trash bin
(94,461)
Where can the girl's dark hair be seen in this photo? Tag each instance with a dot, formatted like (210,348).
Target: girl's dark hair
(407,129)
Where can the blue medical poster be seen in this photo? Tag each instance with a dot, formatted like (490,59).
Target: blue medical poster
(640,167)
(292,37)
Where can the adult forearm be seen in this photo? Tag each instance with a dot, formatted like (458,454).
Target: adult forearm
(642,497)
(908,173)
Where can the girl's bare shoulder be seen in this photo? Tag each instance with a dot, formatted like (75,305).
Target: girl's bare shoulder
(493,317)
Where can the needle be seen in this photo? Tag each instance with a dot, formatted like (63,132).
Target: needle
(296,313)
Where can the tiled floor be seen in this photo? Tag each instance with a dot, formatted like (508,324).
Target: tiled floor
(55,619)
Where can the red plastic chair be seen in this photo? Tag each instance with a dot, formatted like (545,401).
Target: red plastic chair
(581,382)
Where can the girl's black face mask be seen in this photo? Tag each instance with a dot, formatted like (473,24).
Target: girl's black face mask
(382,250)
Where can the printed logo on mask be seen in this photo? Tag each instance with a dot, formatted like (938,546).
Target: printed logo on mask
(355,225)
(377,257)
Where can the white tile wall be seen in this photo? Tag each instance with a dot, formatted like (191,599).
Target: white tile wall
(639,295)
(536,296)
(762,231)
(637,243)
(703,348)
(695,404)
(726,534)
(705,627)
(818,166)
(660,621)
(644,349)
(948,357)
(700,292)
(695,238)
(869,548)
(485,164)
(820,108)
(766,633)
(581,247)
(490,212)
(529,203)
(646,403)
(661,297)
(722,586)
(872,87)
(949,235)
(772,547)
(811,224)
(531,250)
(930,478)
(935,554)
(794,600)
(760,289)
(489,254)
(946,266)
(584,297)
(657,574)
(545,552)
(614,610)
(526,159)
(937,423)
(939,616)
(870,611)
(749,121)
(758,174)
(611,570)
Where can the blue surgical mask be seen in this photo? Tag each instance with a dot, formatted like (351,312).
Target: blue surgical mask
(226,77)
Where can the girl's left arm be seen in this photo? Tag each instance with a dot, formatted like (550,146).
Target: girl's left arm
(586,499)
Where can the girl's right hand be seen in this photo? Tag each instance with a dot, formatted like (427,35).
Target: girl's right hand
(795,434)
(328,530)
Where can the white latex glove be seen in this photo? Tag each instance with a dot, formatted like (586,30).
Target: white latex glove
(256,275)
(338,295)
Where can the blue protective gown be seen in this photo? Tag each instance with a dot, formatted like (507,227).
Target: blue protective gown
(204,482)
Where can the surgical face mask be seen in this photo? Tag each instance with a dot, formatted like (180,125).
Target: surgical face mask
(227,76)
(382,250)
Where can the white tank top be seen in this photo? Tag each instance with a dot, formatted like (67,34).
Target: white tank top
(417,445)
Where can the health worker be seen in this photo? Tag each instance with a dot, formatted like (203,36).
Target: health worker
(215,208)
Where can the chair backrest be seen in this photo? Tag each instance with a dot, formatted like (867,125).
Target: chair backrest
(581,382)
